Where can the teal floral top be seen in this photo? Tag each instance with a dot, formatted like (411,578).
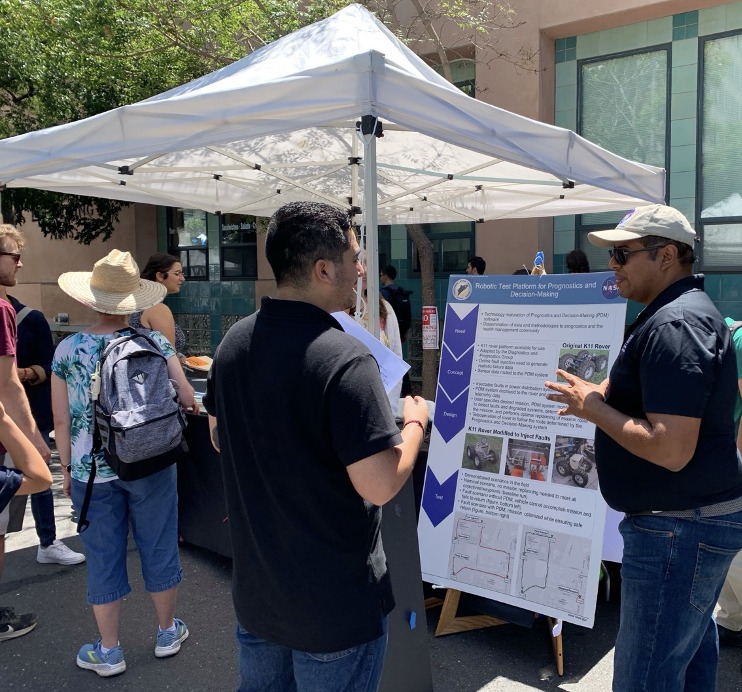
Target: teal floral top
(74,362)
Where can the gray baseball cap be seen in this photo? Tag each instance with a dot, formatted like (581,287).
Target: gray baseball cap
(654,219)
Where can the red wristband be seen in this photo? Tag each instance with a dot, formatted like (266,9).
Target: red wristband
(416,422)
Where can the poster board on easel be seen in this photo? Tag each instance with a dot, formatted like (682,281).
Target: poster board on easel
(511,510)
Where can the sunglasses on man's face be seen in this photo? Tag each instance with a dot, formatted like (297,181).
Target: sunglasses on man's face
(621,255)
(15,255)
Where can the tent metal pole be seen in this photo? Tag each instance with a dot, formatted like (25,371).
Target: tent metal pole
(372,235)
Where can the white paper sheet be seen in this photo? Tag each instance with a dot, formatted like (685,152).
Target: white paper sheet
(391,366)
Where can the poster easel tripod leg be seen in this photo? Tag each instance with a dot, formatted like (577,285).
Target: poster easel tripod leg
(449,623)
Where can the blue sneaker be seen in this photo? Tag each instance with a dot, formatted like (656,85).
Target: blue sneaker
(168,643)
(91,657)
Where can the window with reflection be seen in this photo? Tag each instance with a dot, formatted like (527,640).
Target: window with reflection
(720,180)
(188,239)
(239,246)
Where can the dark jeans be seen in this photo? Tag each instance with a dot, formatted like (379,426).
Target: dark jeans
(672,573)
(42,506)
(267,667)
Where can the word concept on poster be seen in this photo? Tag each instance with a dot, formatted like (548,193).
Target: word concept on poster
(511,505)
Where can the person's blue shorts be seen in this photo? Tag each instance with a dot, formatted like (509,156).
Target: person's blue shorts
(152,504)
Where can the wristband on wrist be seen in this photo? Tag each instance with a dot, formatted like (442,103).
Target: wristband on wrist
(414,422)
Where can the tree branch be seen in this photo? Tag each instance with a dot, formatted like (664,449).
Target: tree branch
(430,30)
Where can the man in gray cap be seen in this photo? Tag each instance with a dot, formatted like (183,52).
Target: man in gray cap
(666,455)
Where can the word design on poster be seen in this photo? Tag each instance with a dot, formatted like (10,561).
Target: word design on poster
(511,507)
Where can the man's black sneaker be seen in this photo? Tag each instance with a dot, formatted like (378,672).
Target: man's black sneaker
(727,637)
(12,625)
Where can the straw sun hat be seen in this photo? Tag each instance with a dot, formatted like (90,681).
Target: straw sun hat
(113,287)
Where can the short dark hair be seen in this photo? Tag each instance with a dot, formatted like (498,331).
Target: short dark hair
(389,271)
(520,272)
(478,263)
(301,233)
(577,262)
(686,255)
(162,262)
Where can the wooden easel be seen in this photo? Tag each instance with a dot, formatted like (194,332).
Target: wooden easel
(449,623)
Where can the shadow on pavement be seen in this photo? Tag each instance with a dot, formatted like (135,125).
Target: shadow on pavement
(44,659)
(498,659)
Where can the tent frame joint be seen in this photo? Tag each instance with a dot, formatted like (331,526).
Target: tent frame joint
(371,125)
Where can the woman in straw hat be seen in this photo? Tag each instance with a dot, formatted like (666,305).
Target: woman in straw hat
(114,290)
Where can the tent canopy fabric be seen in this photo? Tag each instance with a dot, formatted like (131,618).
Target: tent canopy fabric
(279,125)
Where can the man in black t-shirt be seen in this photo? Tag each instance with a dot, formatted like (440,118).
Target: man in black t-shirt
(309,452)
(666,455)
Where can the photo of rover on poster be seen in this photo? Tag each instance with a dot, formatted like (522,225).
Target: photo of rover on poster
(527,459)
(574,463)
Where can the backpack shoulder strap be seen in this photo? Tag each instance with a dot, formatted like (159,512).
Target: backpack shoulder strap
(122,338)
(22,315)
(734,326)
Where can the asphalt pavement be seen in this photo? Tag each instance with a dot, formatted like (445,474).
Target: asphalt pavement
(498,659)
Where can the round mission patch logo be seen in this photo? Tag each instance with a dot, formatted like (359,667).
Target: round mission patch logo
(462,289)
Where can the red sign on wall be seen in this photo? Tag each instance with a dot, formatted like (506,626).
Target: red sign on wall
(430,327)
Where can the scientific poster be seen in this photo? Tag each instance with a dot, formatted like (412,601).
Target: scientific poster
(511,507)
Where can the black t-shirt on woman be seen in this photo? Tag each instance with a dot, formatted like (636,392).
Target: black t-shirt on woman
(297,400)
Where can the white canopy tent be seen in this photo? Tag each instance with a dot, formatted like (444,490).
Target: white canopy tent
(280,125)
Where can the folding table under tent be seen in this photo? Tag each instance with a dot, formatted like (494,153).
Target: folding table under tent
(280,125)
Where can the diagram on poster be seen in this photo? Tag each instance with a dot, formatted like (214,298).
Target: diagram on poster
(554,569)
(512,509)
(483,552)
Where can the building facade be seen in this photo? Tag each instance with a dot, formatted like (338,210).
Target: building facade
(656,81)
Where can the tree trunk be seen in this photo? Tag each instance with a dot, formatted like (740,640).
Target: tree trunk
(424,249)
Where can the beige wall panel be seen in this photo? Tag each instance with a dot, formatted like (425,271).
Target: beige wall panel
(54,301)
(560,18)
(44,258)
(507,245)
(145,232)
(28,294)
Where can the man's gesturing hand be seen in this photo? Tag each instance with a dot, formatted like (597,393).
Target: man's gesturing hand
(579,397)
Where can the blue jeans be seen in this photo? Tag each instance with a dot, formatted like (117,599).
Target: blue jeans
(672,573)
(267,667)
(152,504)
(42,506)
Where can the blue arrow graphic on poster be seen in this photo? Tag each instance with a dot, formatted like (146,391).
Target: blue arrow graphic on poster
(461,328)
(455,374)
(438,498)
(457,355)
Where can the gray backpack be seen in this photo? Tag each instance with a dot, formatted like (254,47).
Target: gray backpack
(138,422)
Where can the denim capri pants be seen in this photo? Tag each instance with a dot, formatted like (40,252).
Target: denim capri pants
(152,504)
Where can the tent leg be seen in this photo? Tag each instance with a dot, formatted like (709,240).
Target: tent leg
(372,232)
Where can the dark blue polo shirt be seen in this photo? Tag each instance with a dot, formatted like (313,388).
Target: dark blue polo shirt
(677,359)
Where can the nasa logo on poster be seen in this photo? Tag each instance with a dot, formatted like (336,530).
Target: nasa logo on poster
(609,288)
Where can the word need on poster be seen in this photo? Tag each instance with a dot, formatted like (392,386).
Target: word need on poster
(511,507)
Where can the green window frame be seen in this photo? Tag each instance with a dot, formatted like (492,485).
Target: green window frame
(238,245)
(188,239)
(453,247)
(463,72)
(602,125)
(719,153)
